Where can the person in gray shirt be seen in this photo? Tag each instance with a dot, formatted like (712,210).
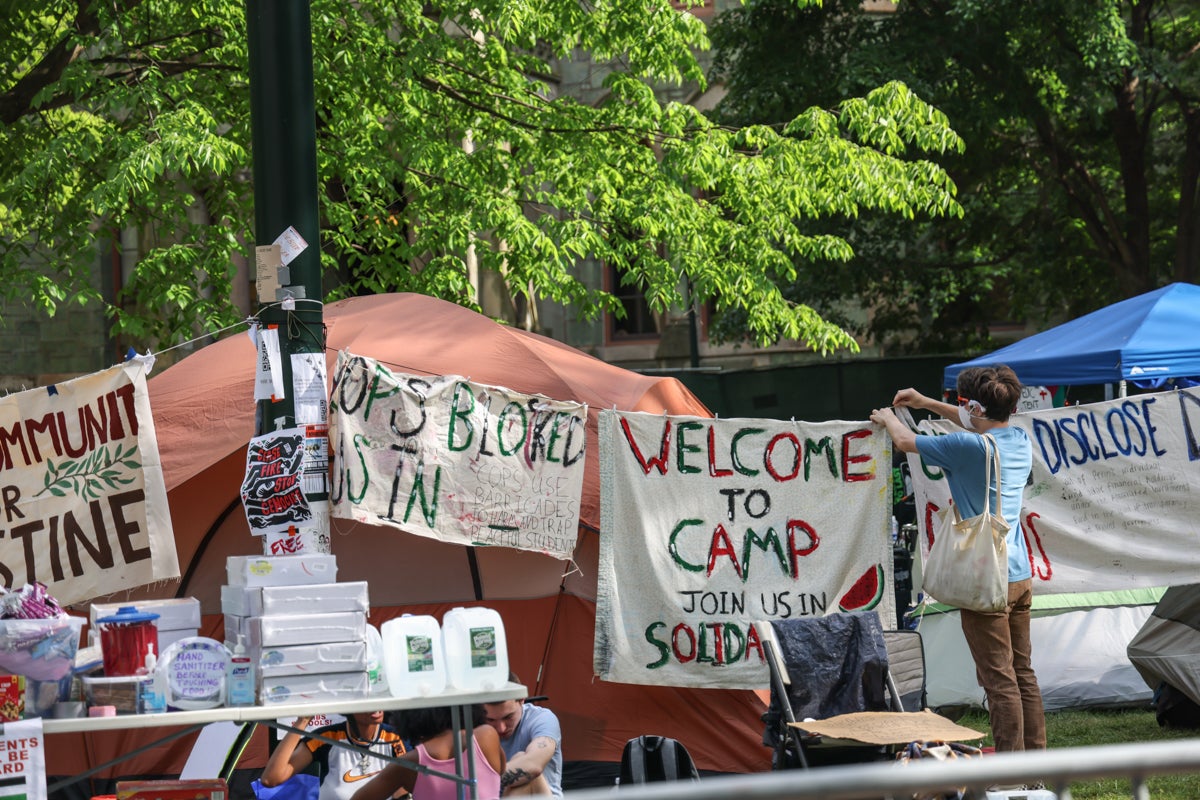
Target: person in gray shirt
(532,740)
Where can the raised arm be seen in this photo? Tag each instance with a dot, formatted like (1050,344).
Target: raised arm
(288,758)
(914,399)
(904,439)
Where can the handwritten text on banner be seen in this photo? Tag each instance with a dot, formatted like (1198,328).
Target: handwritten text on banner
(707,526)
(443,457)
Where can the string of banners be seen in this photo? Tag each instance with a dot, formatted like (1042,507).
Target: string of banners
(463,462)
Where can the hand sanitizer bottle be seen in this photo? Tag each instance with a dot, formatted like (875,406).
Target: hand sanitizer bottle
(153,699)
(240,683)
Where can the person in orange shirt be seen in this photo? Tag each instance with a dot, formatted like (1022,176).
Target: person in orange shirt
(343,770)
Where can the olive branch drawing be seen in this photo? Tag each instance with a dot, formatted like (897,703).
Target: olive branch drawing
(91,476)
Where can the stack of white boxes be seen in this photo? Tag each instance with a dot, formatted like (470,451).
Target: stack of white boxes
(305,633)
(178,617)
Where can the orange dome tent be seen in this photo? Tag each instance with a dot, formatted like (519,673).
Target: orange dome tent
(204,416)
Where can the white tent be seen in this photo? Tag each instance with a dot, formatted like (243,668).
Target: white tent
(1079,651)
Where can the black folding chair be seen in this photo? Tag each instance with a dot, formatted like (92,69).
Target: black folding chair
(823,667)
(906,669)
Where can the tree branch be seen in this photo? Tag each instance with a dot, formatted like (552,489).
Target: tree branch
(17,101)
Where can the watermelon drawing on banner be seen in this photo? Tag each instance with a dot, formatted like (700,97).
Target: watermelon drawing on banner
(866,592)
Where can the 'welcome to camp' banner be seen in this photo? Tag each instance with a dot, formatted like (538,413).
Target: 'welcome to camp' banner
(1111,502)
(707,526)
(85,507)
(454,460)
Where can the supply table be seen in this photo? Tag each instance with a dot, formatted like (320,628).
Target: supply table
(250,716)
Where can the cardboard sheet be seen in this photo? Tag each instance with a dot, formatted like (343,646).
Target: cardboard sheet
(890,727)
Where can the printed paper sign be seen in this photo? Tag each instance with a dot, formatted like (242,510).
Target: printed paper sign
(1111,500)
(308,388)
(85,503)
(291,244)
(24,759)
(315,464)
(443,457)
(707,526)
(268,258)
(272,489)
(268,374)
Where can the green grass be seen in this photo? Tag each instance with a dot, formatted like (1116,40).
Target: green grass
(1099,727)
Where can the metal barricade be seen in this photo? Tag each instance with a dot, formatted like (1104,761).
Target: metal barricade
(1058,768)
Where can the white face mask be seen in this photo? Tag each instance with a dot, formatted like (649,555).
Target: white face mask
(964,418)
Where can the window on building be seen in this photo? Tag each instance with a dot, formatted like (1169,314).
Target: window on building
(639,322)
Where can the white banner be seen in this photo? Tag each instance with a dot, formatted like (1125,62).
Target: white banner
(85,507)
(707,526)
(1111,500)
(443,457)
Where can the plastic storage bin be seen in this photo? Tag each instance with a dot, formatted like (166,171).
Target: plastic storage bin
(122,692)
(413,659)
(41,649)
(476,649)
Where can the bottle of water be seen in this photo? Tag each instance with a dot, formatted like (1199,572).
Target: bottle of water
(476,648)
(413,659)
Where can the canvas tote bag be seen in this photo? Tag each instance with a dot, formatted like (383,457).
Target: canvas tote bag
(968,562)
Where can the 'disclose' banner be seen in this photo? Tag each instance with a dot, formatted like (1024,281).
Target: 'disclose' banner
(85,506)
(443,457)
(1111,502)
(707,526)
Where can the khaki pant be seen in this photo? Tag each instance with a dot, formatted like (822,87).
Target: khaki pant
(1001,647)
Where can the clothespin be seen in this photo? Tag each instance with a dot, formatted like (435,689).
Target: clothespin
(146,360)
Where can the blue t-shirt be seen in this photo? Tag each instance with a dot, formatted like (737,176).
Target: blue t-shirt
(961,457)
(538,721)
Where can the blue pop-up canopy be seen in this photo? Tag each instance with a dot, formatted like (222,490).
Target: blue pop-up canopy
(1149,340)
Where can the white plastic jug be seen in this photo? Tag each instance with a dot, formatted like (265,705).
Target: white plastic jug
(413,659)
(476,649)
(375,673)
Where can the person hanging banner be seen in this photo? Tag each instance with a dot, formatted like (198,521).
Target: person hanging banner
(707,526)
(85,506)
(442,457)
(1110,504)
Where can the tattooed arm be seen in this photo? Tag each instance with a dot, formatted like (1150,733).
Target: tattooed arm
(524,767)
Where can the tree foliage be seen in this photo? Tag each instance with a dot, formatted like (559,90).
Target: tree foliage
(1080,178)
(136,114)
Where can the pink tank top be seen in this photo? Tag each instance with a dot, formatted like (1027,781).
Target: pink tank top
(432,787)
